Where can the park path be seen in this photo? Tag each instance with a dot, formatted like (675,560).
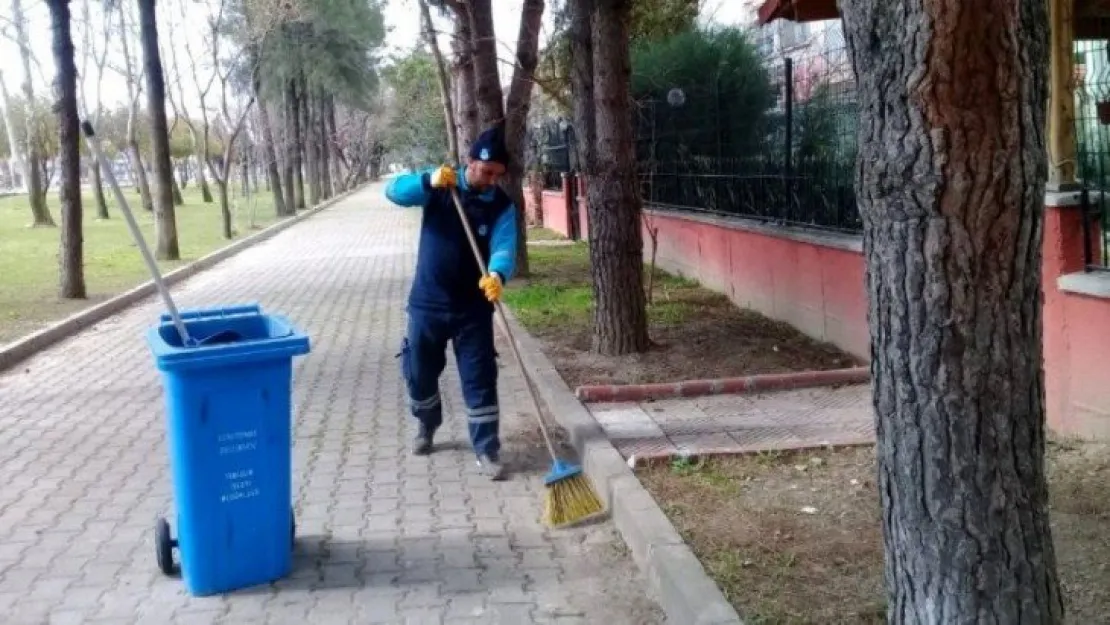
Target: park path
(383,537)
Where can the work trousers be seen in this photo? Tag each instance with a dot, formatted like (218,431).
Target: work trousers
(424,356)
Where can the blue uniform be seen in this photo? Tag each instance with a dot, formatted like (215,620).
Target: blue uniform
(445,302)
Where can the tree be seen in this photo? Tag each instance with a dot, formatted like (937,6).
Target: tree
(601,77)
(36,191)
(72,273)
(164,210)
(415,133)
(134,79)
(92,113)
(444,82)
(950,181)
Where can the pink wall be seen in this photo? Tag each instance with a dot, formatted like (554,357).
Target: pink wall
(815,282)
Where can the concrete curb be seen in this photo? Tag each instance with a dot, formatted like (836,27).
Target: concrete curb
(19,350)
(723,386)
(677,578)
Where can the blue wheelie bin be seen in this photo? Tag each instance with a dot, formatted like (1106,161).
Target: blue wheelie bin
(229,423)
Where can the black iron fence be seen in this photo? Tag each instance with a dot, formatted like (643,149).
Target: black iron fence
(785,154)
(1092,133)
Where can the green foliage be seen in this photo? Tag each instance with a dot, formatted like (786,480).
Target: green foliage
(416,134)
(333,45)
(727,88)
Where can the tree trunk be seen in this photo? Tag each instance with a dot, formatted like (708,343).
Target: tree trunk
(308,135)
(225,207)
(444,83)
(135,157)
(98,191)
(466,104)
(36,193)
(202,162)
(487,81)
(281,209)
(178,199)
(321,124)
(516,111)
(290,152)
(164,210)
(293,126)
(13,137)
(616,242)
(582,83)
(71,270)
(953,257)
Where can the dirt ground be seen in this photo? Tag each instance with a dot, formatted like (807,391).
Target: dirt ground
(795,537)
(696,333)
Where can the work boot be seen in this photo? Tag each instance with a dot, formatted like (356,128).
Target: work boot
(491,467)
(422,445)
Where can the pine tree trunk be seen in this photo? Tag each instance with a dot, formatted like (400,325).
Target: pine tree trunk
(281,209)
(487,81)
(953,254)
(178,199)
(324,142)
(164,212)
(616,242)
(466,103)
(308,135)
(98,191)
(298,147)
(70,257)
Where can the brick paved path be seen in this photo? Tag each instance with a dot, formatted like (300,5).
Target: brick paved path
(382,537)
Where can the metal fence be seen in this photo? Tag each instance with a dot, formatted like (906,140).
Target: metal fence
(1092,134)
(787,160)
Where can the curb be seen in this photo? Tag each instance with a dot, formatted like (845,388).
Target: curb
(723,386)
(21,349)
(677,578)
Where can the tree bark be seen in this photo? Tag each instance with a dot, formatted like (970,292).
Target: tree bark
(516,119)
(487,81)
(312,156)
(616,242)
(444,83)
(466,103)
(36,191)
(582,82)
(950,183)
(281,209)
(290,152)
(325,144)
(70,257)
(164,210)
(98,191)
(293,123)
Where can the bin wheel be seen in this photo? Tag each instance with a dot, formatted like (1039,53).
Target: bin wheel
(164,545)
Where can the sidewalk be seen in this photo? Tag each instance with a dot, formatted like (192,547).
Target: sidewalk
(383,537)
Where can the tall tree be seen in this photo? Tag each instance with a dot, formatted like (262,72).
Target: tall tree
(133,74)
(164,211)
(36,189)
(601,78)
(99,56)
(950,182)
(72,272)
(444,82)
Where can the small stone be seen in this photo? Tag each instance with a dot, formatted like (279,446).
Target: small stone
(809,510)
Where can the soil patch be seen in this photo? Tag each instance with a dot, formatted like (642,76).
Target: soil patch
(795,537)
(697,333)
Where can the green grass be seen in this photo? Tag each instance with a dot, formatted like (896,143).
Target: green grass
(113,264)
(544,234)
(559,294)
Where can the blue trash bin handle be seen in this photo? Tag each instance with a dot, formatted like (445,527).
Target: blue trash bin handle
(206,313)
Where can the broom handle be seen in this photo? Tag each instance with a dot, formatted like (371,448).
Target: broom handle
(504,322)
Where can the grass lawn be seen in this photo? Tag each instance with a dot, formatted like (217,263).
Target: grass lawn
(697,333)
(113,264)
(796,537)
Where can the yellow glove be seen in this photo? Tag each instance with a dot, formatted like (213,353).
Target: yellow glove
(491,286)
(443,177)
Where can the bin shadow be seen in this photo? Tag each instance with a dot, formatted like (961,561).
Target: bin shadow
(460,564)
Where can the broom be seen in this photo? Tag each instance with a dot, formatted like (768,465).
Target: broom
(570,498)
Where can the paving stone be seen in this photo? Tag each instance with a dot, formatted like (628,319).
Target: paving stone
(383,537)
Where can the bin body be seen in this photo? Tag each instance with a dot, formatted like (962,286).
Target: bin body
(229,423)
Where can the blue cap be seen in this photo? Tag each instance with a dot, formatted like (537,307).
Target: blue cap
(490,147)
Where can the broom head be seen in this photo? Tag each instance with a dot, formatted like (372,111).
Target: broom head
(570,496)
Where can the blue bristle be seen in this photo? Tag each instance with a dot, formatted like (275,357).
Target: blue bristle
(561,470)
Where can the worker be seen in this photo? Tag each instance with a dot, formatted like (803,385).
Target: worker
(451,300)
